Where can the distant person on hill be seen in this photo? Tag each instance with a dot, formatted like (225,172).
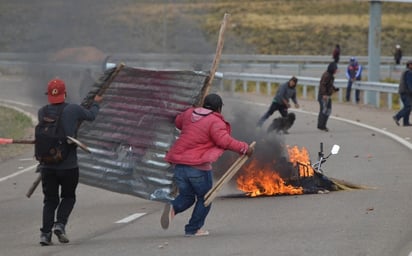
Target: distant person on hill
(353,73)
(336,54)
(326,89)
(397,54)
(405,92)
(280,102)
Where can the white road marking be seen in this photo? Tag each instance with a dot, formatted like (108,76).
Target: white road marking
(30,168)
(383,131)
(131,218)
(27,159)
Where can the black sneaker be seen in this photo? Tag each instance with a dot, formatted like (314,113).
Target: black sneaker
(60,233)
(323,129)
(45,239)
(396,120)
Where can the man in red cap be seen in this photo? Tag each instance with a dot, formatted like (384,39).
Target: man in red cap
(65,174)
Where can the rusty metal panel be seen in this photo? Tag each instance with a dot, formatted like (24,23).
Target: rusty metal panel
(134,129)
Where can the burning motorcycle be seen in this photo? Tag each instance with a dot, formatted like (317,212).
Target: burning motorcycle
(322,182)
(317,166)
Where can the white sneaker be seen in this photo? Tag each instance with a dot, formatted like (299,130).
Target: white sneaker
(200,232)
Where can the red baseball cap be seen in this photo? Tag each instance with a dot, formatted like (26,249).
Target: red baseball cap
(56,91)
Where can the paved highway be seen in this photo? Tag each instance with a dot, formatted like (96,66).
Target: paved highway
(374,221)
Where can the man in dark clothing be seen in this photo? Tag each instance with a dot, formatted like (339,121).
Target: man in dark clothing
(280,102)
(405,92)
(397,55)
(326,89)
(336,53)
(64,174)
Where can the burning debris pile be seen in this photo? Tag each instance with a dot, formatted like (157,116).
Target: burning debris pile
(284,176)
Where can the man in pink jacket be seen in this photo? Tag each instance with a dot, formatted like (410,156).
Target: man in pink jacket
(204,136)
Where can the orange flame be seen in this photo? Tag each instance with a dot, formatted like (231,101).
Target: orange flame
(259,180)
(301,159)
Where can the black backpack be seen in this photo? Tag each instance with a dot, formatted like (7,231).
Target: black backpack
(50,146)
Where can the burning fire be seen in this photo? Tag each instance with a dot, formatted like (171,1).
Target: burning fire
(259,180)
(301,159)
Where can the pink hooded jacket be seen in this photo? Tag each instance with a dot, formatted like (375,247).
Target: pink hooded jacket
(204,136)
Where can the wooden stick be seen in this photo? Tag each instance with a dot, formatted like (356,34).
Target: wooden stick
(214,191)
(33,186)
(216,60)
(108,79)
(4,141)
(228,174)
(224,178)
(225,175)
(233,169)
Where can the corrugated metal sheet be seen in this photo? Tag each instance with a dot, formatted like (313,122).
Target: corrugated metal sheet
(134,129)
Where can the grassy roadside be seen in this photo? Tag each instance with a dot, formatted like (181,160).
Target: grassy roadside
(311,27)
(281,27)
(277,27)
(16,125)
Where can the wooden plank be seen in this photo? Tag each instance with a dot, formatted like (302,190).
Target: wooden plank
(233,169)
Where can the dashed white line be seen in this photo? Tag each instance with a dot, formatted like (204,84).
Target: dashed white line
(131,217)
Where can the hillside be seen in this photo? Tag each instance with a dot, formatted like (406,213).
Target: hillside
(257,27)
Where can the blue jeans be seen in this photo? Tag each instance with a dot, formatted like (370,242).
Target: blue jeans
(325,109)
(193,184)
(348,92)
(406,110)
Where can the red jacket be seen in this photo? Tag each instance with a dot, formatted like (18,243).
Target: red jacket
(204,136)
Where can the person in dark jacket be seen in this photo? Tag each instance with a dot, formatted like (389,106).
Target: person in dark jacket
(65,174)
(280,102)
(326,89)
(336,54)
(397,55)
(405,92)
(204,136)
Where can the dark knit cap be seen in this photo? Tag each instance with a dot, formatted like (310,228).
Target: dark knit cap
(332,67)
(213,102)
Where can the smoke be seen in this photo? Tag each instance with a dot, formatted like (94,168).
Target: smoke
(122,26)
(270,150)
(46,27)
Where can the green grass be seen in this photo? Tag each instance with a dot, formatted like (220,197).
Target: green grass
(303,26)
(15,125)
(277,27)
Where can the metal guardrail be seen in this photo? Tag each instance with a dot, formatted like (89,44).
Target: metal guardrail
(260,69)
(243,81)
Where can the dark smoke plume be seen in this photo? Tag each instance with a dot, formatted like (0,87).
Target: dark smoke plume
(270,147)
